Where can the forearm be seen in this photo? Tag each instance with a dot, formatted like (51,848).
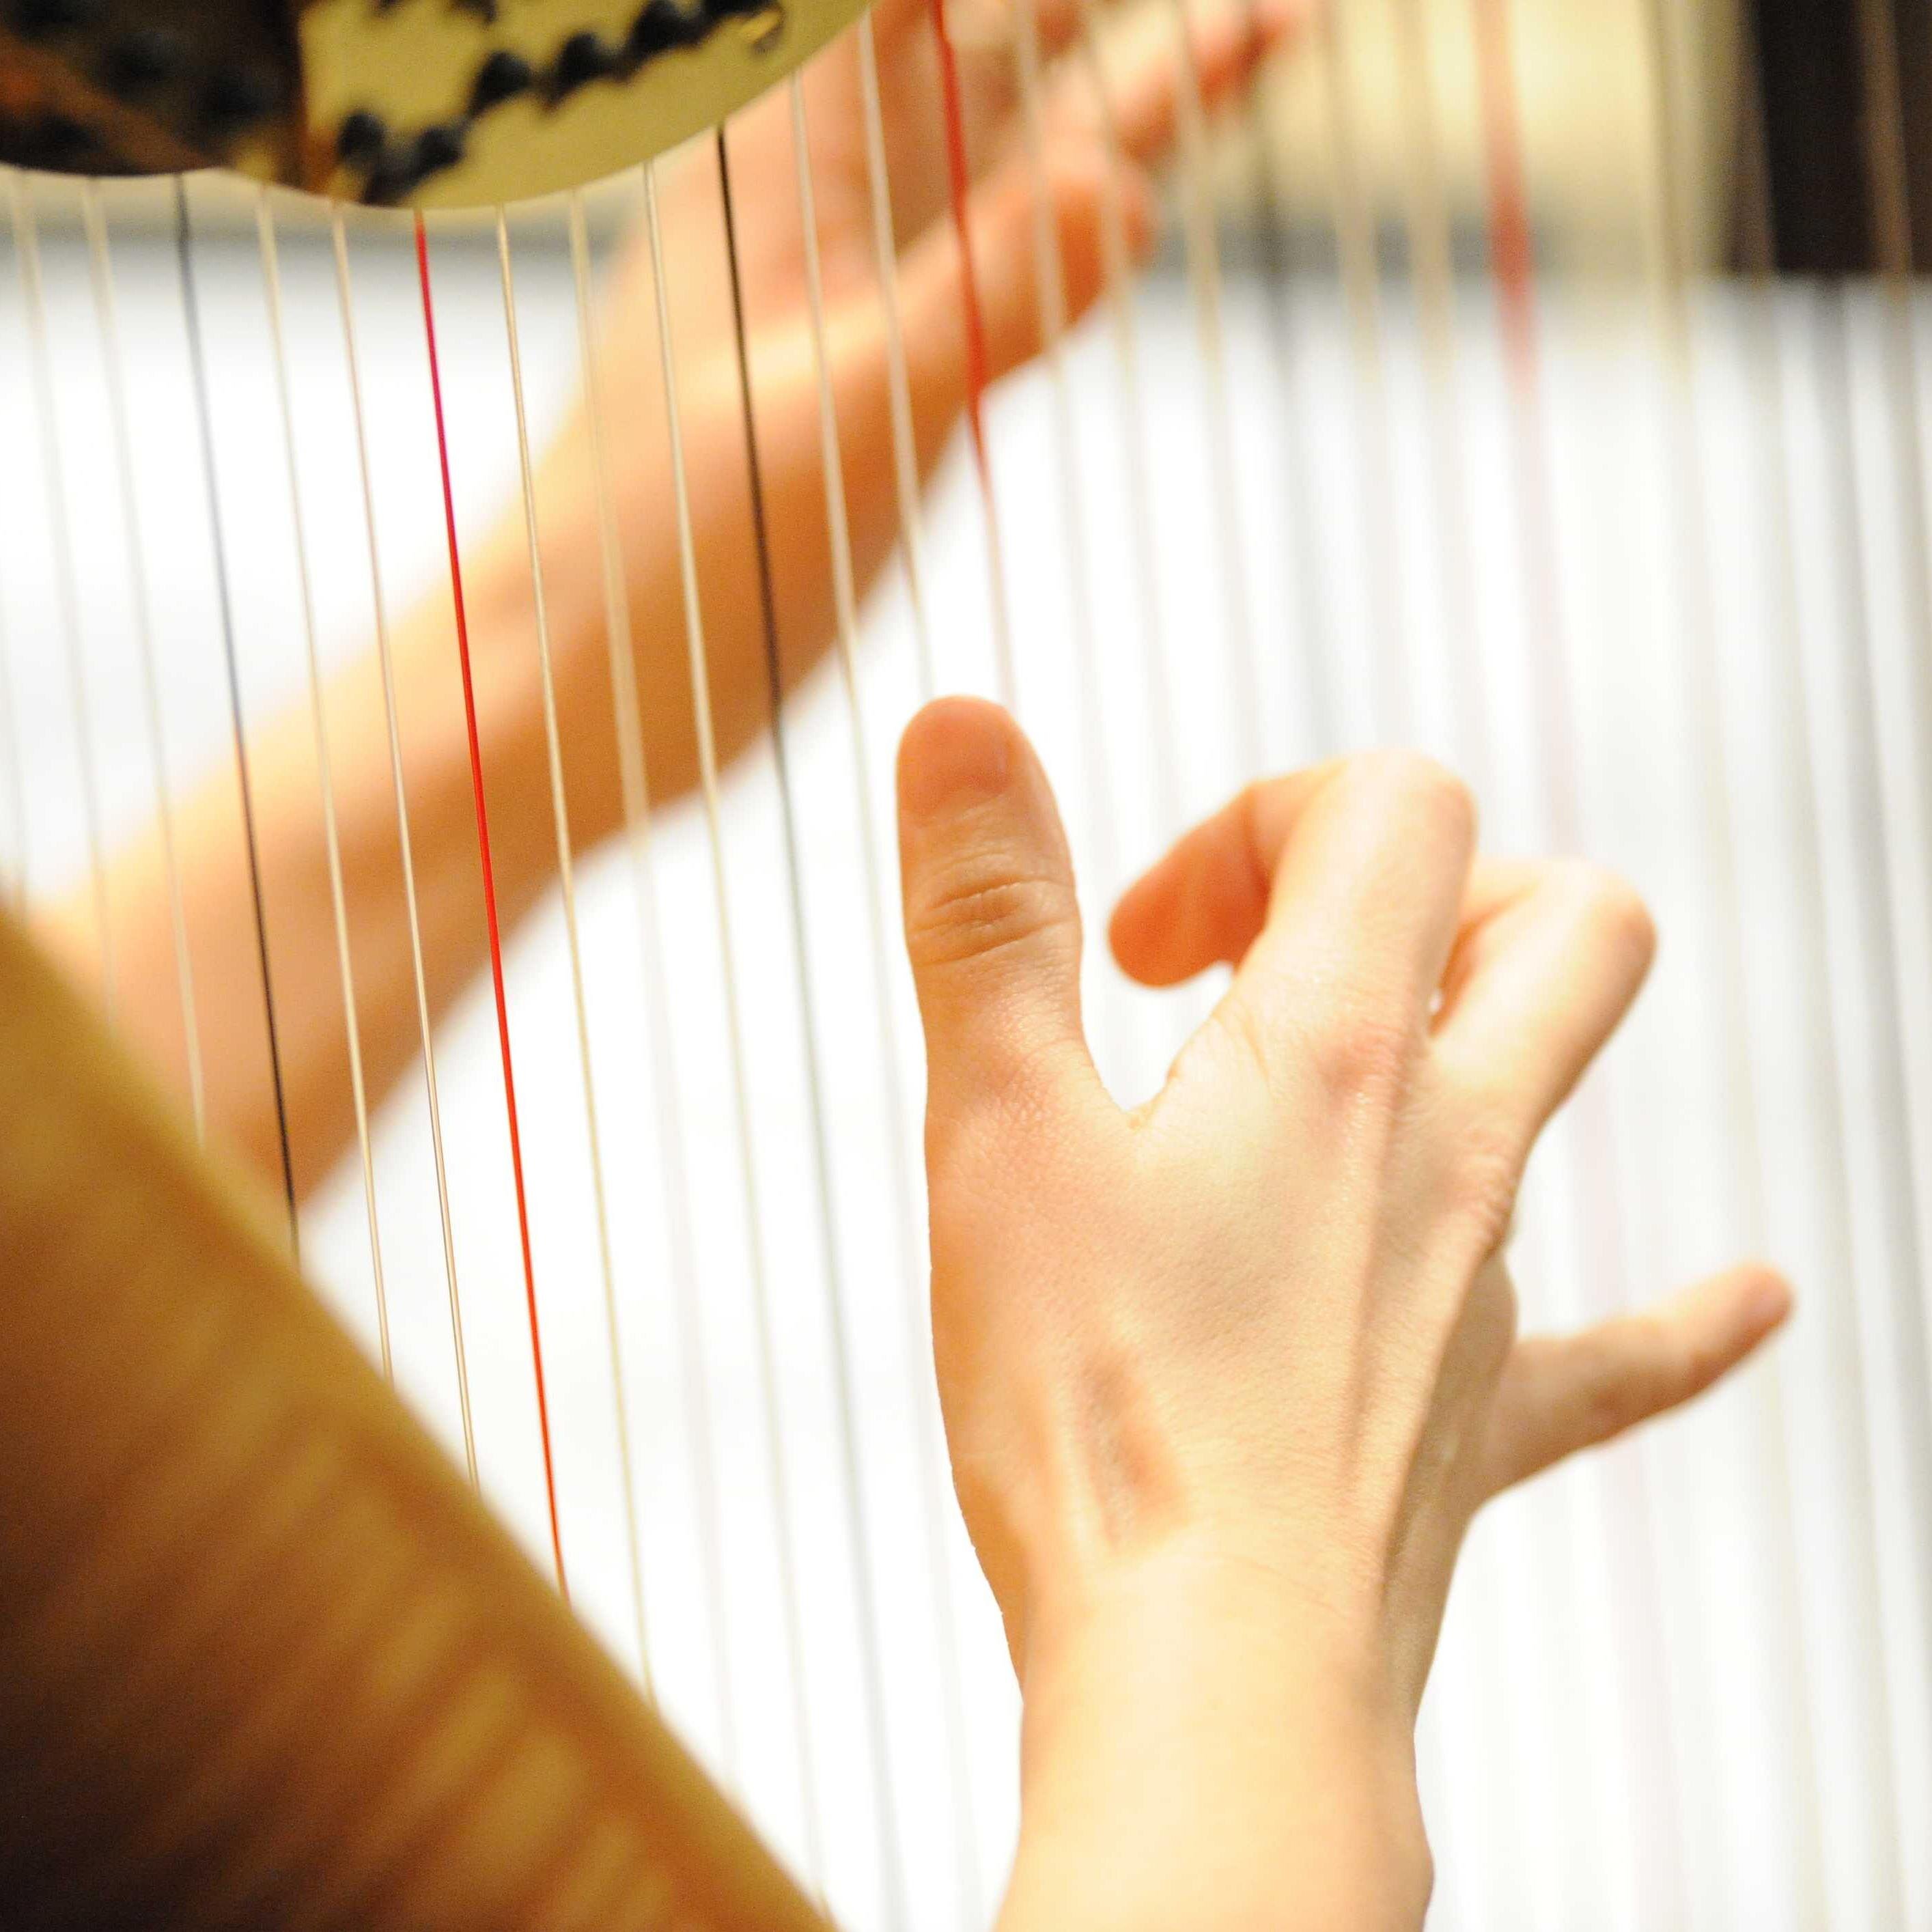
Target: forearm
(1202,1750)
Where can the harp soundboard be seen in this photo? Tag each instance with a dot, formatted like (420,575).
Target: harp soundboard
(1414,432)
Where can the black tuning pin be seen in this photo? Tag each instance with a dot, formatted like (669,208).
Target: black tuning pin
(583,58)
(236,96)
(438,147)
(501,77)
(361,139)
(661,26)
(35,18)
(146,58)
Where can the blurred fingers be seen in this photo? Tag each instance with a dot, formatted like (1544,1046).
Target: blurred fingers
(1560,1394)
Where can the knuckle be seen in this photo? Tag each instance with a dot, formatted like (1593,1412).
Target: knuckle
(972,916)
(1418,784)
(1358,1052)
(1611,910)
(1485,1172)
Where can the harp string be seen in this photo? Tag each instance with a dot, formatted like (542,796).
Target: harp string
(934,1485)
(891,1856)
(495,933)
(707,766)
(198,373)
(271,278)
(898,387)
(1200,239)
(1355,248)
(567,882)
(16,781)
(1432,280)
(1602,1245)
(959,185)
(1909,1574)
(345,301)
(1050,283)
(1117,275)
(634,781)
(27,249)
(1807,936)
(1689,526)
(101,270)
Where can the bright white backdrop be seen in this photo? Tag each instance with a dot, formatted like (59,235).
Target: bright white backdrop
(1685,1684)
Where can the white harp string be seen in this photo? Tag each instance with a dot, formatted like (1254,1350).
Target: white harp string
(271,278)
(1432,279)
(935,1490)
(1689,524)
(1355,245)
(1200,232)
(633,779)
(1118,273)
(755,1239)
(101,264)
(567,883)
(385,660)
(27,247)
(871,1646)
(1807,936)
(898,387)
(1050,287)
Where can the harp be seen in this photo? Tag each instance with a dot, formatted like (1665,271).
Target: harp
(1619,504)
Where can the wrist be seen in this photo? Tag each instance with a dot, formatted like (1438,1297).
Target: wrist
(1208,1744)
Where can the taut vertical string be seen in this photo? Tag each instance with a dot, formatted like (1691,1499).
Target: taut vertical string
(754,1237)
(198,369)
(271,276)
(490,898)
(109,309)
(386,661)
(566,878)
(634,781)
(891,1857)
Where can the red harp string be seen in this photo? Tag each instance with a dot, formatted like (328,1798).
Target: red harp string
(490,899)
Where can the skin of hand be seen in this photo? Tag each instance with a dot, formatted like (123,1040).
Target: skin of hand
(1226,1377)
(1142,62)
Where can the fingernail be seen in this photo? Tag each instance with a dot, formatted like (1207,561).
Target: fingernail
(956,753)
(1770,1301)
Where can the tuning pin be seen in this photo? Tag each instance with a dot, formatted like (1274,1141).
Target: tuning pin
(583,58)
(237,95)
(146,57)
(361,138)
(35,18)
(661,26)
(501,77)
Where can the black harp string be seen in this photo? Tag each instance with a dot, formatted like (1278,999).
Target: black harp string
(929,1452)
(741,1104)
(271,281)
(1688,523)
(406,850)
(205,429)
(1601,1259)
(891,1855)
(107,308)
(27,248)
(674,1152)
(1806,937)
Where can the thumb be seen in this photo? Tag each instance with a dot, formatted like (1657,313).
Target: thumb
(991,923)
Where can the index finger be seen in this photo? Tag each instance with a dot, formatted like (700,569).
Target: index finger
(1345,882)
